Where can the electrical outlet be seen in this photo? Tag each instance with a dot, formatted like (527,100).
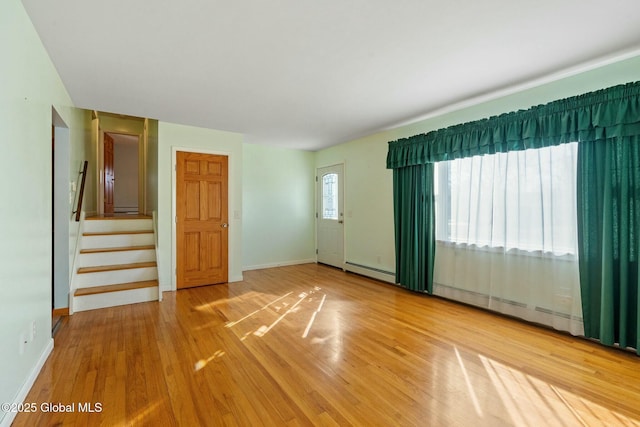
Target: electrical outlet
(33,330)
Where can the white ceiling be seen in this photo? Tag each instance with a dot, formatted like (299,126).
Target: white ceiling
(310,74)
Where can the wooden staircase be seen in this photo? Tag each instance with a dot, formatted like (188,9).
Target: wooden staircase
(117,263)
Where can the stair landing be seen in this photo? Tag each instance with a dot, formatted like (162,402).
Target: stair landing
(117,216)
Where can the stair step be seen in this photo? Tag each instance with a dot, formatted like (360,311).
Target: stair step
(95,241)
(115,288)
(122,225)
(101,268)
(116,233)
(118,249)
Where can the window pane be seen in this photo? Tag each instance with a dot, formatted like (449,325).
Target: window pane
(520,199)
(330,196)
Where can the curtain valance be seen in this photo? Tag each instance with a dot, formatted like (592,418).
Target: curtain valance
(598,115)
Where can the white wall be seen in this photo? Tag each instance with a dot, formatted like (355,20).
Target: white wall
(278,200)
(30,87)
(189,138)
(369,185)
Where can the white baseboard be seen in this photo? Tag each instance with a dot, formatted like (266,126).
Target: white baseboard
(26,387)
(238,278)
(278,264)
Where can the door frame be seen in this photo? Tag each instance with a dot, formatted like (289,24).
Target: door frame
(141,167)
(61,213)
(344,208)
(108,138)
(97,138)
(174,212)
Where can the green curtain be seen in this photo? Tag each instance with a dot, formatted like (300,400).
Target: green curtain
(414,210)
(608,227)
(590,117)
(606,124)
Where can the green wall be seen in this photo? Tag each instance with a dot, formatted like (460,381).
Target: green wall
(173,137)
(152,166)
(368,209)
(117,124)
(30,88)
(369,238)
(79,155)
(278,200)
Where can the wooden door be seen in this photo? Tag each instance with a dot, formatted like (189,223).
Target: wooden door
(202,219)
(109,177)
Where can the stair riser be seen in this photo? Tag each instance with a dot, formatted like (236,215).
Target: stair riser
(87,280)
(101,226)
(119,257)
(111,299)
(117,241)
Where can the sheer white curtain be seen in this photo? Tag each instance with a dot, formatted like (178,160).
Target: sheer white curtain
(507,236)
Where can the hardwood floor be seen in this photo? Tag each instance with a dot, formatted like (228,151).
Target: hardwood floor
(311,345)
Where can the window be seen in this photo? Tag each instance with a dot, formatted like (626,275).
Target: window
(330,196)
(520,199)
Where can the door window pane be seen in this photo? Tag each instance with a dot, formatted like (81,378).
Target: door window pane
(330,196)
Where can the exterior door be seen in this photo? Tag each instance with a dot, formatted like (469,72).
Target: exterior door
(202,219)
(109,177)
(330,222)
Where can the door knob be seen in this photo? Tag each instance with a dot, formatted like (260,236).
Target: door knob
(224,225)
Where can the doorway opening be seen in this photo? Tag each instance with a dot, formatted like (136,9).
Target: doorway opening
(122,163)
(60,216)
(121,183)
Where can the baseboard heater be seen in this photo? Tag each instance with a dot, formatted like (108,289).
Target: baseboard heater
(374,273)
(559,314)
(502,300)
